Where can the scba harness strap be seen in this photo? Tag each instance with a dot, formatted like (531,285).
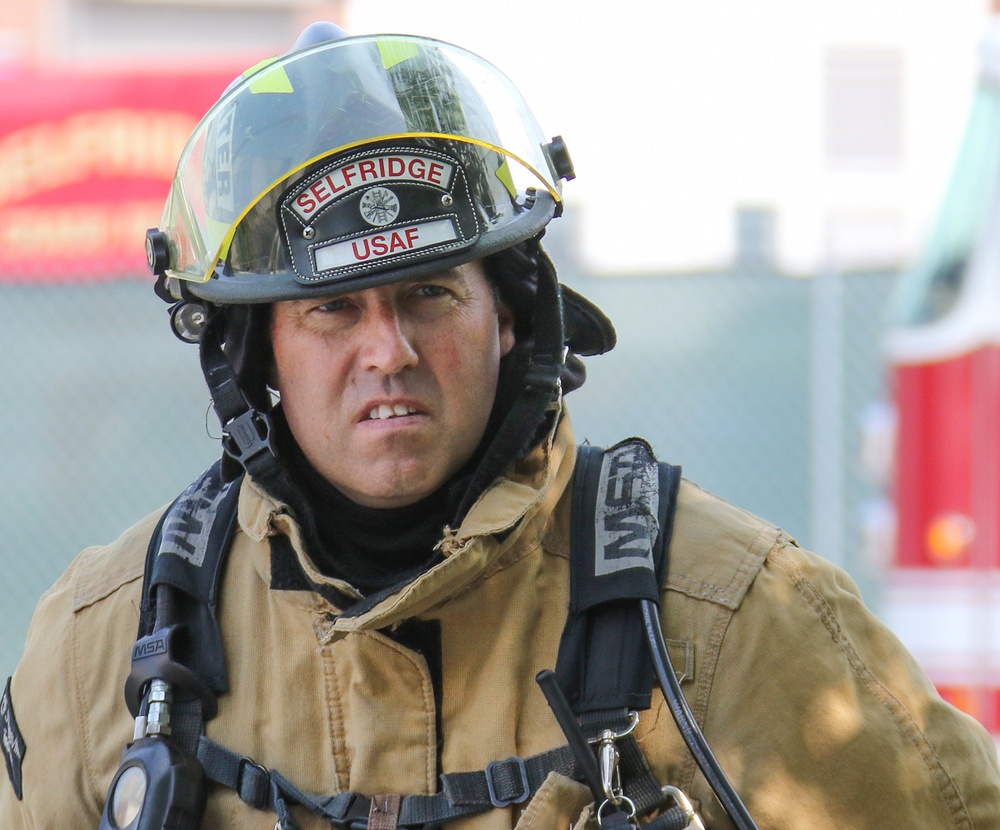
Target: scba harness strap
(623,509)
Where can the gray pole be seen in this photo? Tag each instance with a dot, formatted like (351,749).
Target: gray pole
(827,417)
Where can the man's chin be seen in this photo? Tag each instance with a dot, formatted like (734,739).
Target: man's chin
(398,487)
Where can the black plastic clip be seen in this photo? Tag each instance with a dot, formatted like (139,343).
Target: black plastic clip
(253,783)
(505,768)
(154,657)
(247,436)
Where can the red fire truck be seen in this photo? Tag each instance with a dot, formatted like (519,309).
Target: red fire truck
(942,594)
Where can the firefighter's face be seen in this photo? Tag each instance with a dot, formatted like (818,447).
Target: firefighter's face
(388,390)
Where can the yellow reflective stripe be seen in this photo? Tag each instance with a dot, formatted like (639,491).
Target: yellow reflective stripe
(219,229)
(506,179)
(275,80)
(395,52)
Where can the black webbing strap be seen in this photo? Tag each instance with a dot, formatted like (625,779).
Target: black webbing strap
(511,781)
(623,510)
(623,506)
(179,639)
(246,431)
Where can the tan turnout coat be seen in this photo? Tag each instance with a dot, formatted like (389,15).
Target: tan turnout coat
(820,717)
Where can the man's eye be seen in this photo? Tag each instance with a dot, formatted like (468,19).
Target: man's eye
(334,305)
(432,290)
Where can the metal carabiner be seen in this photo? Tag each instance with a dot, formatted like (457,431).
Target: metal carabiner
(608,758)
(694,820)
(610,734)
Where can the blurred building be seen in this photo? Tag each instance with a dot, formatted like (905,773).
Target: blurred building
(148,33)
(819,134)
(837,120)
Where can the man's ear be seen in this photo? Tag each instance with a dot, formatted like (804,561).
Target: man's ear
(505,318)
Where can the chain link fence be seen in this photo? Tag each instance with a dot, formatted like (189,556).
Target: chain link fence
(106,416)
(757,385)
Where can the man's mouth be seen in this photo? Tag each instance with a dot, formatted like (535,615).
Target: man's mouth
(384,411)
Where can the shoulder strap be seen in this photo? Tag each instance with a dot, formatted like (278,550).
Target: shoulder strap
(622,517)
(620,557)
(179,639)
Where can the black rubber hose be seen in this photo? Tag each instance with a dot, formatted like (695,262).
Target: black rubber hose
(686,722)
(582,752)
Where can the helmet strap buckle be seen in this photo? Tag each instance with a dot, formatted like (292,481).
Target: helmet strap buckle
(247,436)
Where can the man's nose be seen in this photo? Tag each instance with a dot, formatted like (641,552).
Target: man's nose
(388,345)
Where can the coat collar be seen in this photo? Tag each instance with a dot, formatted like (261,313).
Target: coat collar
(509,519)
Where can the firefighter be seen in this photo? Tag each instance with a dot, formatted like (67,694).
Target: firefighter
(353,241)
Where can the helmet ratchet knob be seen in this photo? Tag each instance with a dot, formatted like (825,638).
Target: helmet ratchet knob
(558,153)
(157,251)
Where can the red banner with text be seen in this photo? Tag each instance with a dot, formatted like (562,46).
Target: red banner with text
(86,161)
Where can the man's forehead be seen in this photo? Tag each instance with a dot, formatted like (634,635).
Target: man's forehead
(465,275)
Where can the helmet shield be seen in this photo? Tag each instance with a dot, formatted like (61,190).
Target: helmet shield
(353,158)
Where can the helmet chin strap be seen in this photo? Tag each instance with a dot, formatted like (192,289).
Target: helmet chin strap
(246,430)
(541,387)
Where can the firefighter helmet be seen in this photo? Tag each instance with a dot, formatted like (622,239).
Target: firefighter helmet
(352,163)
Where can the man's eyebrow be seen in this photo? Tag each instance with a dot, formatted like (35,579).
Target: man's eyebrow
(456,277)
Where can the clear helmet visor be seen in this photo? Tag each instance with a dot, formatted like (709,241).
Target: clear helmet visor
(272,144)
